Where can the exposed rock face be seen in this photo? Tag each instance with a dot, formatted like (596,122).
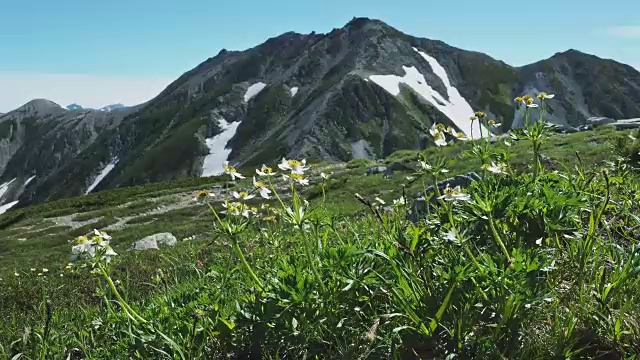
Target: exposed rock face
(364,90)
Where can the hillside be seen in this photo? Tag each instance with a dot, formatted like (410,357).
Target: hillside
(509,251)
(364,90)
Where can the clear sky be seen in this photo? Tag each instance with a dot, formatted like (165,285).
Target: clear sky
(101,52)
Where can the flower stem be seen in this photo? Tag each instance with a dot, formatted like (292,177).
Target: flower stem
(247,267)
(496,236)
(122,302)
(312,263)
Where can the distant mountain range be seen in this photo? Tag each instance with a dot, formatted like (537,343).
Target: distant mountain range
(104,108)
(363,90)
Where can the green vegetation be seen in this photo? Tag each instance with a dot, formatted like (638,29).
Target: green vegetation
(538,259)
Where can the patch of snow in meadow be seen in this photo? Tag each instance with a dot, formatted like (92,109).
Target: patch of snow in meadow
(294,91)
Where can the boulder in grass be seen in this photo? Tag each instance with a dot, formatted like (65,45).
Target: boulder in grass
(599,121)
(152,242)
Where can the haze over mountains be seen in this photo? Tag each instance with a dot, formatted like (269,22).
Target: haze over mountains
(364,90)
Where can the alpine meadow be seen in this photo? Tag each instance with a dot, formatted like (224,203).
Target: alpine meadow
(360,194)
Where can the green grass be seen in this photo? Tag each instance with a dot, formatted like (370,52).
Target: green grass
(532,266)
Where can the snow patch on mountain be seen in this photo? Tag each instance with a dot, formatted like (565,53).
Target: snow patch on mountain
(254,90)
(294,91)
(29,180)
(101,176)
(4,187)
(218,150)
(5,207)
(456,108)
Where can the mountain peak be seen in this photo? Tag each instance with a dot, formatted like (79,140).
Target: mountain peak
(40,106)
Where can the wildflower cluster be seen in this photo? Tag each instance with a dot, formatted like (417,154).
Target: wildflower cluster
(95,246)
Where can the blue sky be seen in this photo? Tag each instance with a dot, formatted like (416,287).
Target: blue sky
(100,52)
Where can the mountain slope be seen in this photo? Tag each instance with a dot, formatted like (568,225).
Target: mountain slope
(364,90)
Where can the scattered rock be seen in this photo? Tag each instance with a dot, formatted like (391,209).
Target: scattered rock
(152,241)
(599,121)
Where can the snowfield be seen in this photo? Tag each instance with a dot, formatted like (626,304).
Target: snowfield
(218,151)
(101,176)
(254,90)
(5,207)
(294,91)
(455,107)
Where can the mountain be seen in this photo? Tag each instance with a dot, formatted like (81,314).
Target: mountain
(364,90)
(74,106)
(104,108)
(112,107)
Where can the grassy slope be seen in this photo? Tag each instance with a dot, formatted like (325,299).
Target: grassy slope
(48,246)
(44,248)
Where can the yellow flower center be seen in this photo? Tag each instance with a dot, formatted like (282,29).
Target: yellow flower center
(260,184)
(81,240)
(229,169)
(266,170)
(294,163)
(244,194)
(297,177)
(203,194)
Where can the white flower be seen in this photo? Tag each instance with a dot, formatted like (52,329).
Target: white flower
(265,171)
(399,202)
(507,143)
(203,194)
(454,194)
(16,274)
(102,235)
(299,178)
(243,195)
(45,270)
(539,242)
(440,140)
(32,269)
(410,178)
(533,105)
(434,130)
(457,135)
(451,236)
(228,169)
(262,188)
(380,201)
(295,166)
(324,176)
(495,168)
(425,166)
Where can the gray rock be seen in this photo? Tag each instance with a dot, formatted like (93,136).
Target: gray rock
(145,244)
(599,121)
(627,124)
(152,241)
(377,170)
